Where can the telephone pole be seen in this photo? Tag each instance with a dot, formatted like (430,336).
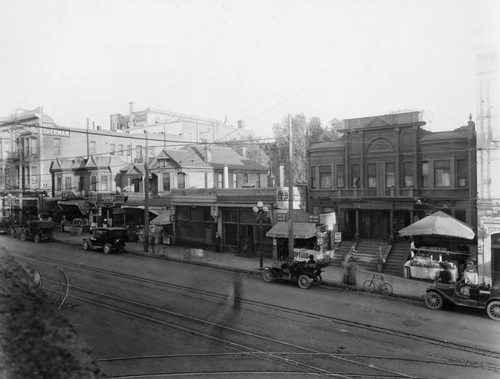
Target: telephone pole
(146,198)
(290,189)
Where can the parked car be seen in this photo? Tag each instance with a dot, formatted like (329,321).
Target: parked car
(465,295)
(109,240)
(37,230)
(4,225)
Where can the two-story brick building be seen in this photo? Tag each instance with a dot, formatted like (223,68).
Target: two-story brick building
(387,171)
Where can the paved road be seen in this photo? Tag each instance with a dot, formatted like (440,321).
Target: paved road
(171,317)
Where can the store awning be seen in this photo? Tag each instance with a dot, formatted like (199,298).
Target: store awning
(163,218)
(301,230)
(141,207)
(439,224)
(82,205)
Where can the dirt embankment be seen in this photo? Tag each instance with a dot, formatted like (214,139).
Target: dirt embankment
(35,340)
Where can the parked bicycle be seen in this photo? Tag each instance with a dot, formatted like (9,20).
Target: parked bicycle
(377,284)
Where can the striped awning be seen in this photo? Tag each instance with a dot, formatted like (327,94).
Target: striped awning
(301,230)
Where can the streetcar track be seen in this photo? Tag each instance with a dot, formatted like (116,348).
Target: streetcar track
(355,324)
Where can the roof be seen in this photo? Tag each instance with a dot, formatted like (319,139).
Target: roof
(301,230)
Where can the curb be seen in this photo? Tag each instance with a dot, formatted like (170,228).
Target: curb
(254,272)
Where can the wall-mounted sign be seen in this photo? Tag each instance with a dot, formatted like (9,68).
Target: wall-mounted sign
(282,196)
(56,132)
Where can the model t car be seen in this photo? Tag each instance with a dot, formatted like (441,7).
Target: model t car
(109,240)
(466,295)
(36,230)
(304,273)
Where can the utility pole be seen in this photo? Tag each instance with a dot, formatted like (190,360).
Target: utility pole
(146,198)
(290,190)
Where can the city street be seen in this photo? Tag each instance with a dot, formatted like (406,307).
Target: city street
(142,316)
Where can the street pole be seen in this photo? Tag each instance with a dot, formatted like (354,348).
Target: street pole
(146,198)
(290,190)
(261,256)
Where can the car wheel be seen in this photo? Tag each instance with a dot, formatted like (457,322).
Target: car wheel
(23,236)
(318,280)
(304,281)
(433,300)
(106,249)
(86,245)
(37,238)
(267,275)
(493,310)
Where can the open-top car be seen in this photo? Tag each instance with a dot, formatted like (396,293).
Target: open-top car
(305,274)
(109,240)
(466,295)
(36,230)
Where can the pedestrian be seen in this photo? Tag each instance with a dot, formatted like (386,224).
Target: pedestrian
(217,242)
(349,274)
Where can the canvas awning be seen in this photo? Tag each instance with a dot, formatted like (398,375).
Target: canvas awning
(439,224)
(82,205)
(301,230)
(163,218)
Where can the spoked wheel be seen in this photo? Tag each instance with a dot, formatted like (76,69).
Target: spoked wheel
(267,275)
(106,248)
(37,238)
(304,282)
(369,286)
(386,289)
(493,310)
(318,280)
(433,300)
(23,236)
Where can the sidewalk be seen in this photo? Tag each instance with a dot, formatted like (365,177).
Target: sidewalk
(332,275)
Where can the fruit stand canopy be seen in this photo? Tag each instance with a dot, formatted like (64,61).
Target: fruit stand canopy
(440,224)
(302,230)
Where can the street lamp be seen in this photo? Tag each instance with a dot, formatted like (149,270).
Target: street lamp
(261,213)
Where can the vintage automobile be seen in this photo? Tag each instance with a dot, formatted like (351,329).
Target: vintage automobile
(305,274)
(109,240)
(465,295)
(37,230)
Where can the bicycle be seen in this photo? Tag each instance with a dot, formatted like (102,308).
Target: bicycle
(378,284)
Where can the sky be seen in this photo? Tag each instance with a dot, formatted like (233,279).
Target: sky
(255,60)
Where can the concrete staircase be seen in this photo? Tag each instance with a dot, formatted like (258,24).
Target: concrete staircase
(367,253)
(398,256)
(340,252)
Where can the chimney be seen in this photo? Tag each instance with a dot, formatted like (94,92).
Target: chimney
(207,153)
(282,175)
(131,107)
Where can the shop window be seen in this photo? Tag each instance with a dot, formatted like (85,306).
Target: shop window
(230,234)
(372,175)
(442,175)
(182,213)
(196,213)
(230,215)
(407,174)
(461,173)
(325,176)
(389,175)
(425,175)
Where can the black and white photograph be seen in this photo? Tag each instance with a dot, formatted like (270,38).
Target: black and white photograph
(249,189)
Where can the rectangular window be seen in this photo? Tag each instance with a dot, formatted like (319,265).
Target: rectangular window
(33,147)
(129,150)
(81,183)
(166,181)
(407,174)
(390,175)
(93,183)
(57,146)
(206,179)
(181,181)
(313,177)
(220,181)
(461,173)
(355,175)
(138,151)
(58,182)
(104,183)
(67,184)
(120,149)
(425,175)
(112,148)
(245,179)
(34,171)
(442,175)
(340,176)
(92,145)
(372,175)
(325,176)
(235,180)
